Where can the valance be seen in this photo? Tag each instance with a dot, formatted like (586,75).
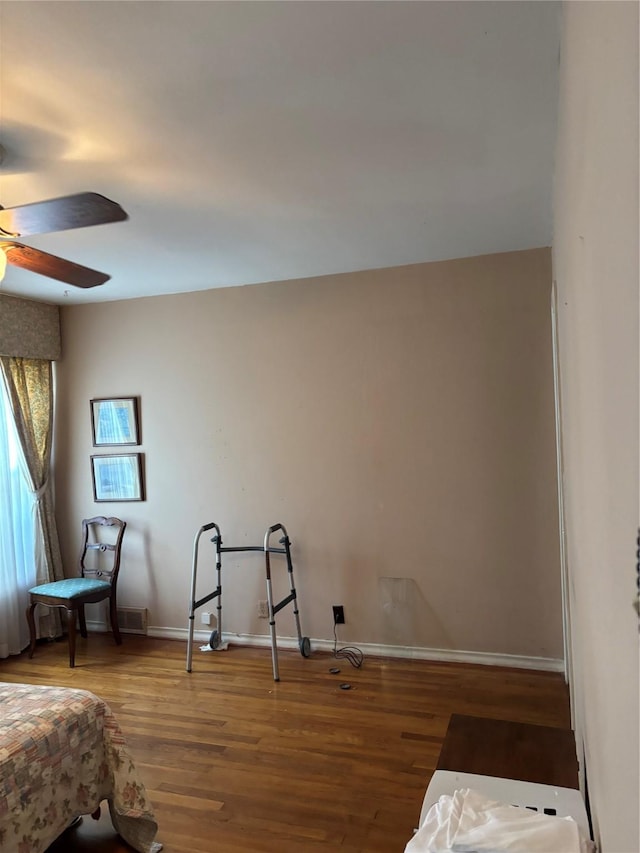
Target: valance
(29,329)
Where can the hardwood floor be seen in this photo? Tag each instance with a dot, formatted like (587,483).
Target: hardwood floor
(234,762)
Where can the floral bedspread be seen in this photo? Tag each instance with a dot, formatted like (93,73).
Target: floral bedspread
(61,754)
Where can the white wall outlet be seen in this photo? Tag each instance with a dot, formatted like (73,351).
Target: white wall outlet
(263,610)
(206,618)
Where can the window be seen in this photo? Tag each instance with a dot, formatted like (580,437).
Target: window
(17,552)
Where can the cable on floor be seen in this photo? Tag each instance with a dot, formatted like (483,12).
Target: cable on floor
(351,653)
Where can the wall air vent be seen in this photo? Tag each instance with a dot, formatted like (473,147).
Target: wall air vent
(132,620)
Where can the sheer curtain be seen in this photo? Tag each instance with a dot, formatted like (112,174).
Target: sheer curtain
(29,386)
(17,547)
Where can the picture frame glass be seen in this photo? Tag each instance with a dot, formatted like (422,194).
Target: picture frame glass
(114,421)
(117,478)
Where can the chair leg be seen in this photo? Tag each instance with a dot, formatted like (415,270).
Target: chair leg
(71,628)
(32,628)
(113,615)
(83,623)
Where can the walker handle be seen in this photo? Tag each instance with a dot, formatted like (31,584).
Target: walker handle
(271,530)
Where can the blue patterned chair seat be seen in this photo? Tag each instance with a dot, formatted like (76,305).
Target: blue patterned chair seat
(71,587)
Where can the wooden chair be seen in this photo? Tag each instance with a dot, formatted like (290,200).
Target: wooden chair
(95,583)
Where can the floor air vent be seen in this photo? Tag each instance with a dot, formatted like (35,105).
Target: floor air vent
(132,620)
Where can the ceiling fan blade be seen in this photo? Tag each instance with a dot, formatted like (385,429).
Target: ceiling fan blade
(59,214)
(53,267)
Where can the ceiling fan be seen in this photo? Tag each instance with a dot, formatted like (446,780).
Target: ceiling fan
(56,214)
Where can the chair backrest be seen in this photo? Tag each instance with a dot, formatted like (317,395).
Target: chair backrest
(101,546)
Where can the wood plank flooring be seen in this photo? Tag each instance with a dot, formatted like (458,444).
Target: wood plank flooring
(234,762)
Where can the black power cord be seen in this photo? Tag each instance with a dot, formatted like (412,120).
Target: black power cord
(351,653)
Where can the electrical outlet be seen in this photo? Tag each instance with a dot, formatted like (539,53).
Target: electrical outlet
(206,618)
(263,610)
(338,614)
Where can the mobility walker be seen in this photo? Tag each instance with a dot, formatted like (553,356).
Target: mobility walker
(267,550)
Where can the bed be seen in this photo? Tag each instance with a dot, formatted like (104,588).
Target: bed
(61,754)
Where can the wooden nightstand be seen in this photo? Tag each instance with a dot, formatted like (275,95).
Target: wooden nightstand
(519,764)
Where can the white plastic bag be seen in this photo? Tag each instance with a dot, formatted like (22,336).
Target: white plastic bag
(468,822)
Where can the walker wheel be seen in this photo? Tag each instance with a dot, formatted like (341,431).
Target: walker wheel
(214,639)
(305,647)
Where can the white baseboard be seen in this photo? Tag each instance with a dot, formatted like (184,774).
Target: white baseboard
(97,626)
(372,649)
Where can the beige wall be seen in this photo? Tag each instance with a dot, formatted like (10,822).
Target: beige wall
(596,267)
(398,422)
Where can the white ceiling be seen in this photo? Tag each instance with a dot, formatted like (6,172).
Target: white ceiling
(254,142)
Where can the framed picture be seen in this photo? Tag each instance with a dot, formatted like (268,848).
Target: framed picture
(117,478)
(115,421)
